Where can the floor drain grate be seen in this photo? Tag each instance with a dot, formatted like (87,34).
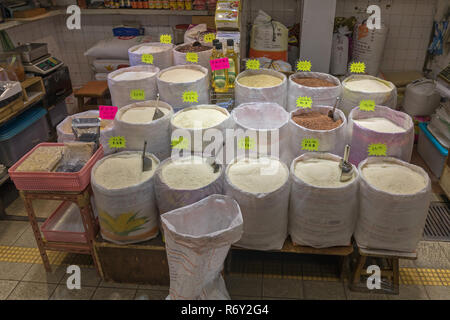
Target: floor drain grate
(437,227)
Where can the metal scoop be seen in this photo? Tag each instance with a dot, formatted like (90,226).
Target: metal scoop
(146,161)
(331,112)
(345,166)
(158,113)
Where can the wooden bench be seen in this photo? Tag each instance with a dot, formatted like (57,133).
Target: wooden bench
(96,91)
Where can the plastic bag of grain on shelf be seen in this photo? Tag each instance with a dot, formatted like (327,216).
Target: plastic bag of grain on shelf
(362,87)
(263,85)
(394,201)
(134,123)
(125,197)
(198,238)
(155,53)
(261,188)
(200,55)
(181,181)
(65,133)
(109,65)
(323,210)
(322,88)
(116,47)
(133,84)
(327,135)
(101,76)
(390,129)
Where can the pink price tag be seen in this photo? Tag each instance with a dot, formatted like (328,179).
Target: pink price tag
(107,112)
(219,64)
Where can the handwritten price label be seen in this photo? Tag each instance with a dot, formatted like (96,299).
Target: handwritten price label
(304,65)
(246,143)
(304,102)
(147,58)
(137,94)
(219,64)
(209,37)
(180,143)
(252,64)
(192,57)
(357,67)
(377,149)
(117,142)
(107,112)
(367,105)
(190,96)
(310,144)
(165,38)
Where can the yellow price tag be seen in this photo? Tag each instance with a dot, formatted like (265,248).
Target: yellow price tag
(310,144)
(190,96)
(246,143)
(377,149)
(116,142)
(304,65)
(367,105)
(181,143)
(304,102)
(357,67)
(192,57)
(252,64)
(209,37)
(165,38)
(147,58)
(137,94)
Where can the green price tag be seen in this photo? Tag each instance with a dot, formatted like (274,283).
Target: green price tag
(209,37)
(181,143)
(137,94)
(377,149)
(147,58)
(304,102)
(367,105)
(190,96)
(165,38)
(304,65)
(116,142)
(192,57)
(252,64)
(357,67)
(246,143)
(310,144)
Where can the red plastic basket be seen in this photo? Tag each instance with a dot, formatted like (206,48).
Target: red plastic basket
(53,181)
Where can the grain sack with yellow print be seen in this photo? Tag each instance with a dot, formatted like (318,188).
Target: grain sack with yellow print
(125,197)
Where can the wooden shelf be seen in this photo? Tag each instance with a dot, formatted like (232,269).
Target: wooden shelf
(147,12)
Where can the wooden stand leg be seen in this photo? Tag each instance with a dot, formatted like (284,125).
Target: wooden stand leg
(341,267)
(80,104)
(395,274)
(356,278)
(36,231)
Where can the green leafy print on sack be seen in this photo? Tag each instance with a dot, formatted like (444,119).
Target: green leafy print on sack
(124,224)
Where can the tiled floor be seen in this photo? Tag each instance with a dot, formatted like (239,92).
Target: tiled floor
(277,277)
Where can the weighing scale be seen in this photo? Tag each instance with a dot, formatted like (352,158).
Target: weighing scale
(43,65)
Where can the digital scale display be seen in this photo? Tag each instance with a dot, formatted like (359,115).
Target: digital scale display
(48,64)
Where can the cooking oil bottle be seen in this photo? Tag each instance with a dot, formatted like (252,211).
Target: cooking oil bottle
(213,56)
(220,76)
(232,59)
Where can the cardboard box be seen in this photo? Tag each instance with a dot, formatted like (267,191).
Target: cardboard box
(209,20)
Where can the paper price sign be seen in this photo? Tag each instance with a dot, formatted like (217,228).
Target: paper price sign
(147,58)
(304,65)
(304,102)
(107,112)
(165,38)
(377,149)
(246,143)
(252,64)
(219,64)
(116,142)
(310,144)
(357,67)
(137,94)
(367,105)
(192,57)
(209,37)
(180,143)
(190,96)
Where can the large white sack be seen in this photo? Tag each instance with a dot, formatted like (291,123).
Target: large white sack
(332,141)
(351,98)
(198,238)
(179,58)
(122,91)
(65,133)
(172,93)
(421,98)
(109,65)
(162,59)
(391,221)
(115,47)
(325,96)
(127,215)
(276,94)
(156,133)
(169,199)
(322,217)
(267,125)
(265,214)
(399,145)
